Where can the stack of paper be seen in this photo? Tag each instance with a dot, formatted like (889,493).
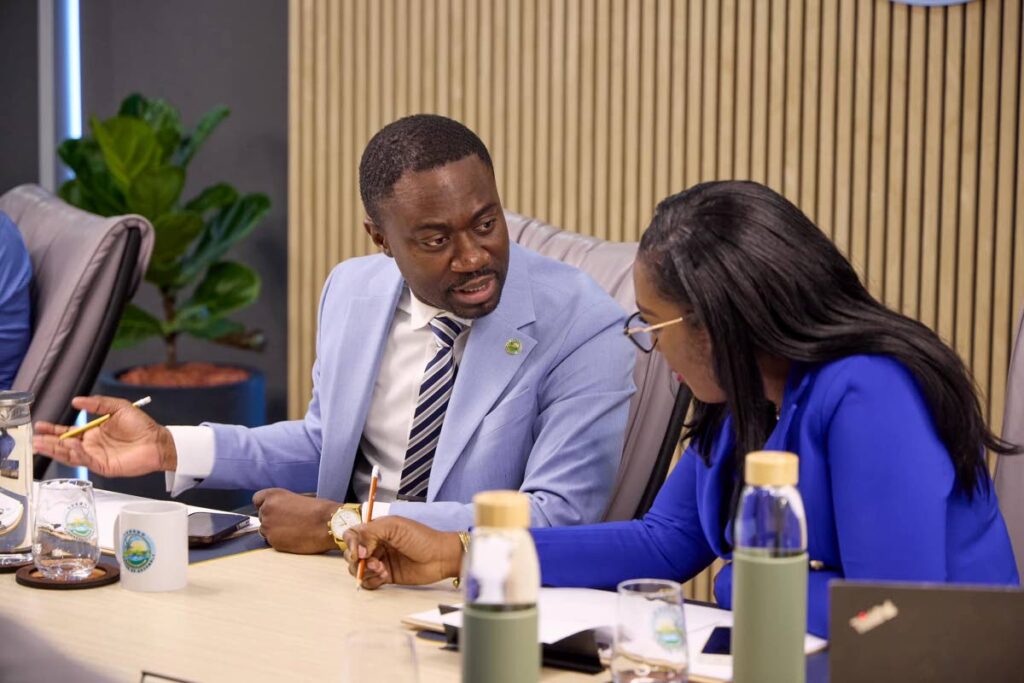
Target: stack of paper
(567,611)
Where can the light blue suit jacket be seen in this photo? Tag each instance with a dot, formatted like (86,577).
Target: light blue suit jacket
(548,420)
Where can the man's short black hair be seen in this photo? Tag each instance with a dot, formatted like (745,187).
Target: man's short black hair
(415,143)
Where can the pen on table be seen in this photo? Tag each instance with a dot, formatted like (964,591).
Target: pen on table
(374,478)
(98,421)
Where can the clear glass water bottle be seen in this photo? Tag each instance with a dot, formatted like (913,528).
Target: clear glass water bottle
(769,590)
(501,578)
(15,478)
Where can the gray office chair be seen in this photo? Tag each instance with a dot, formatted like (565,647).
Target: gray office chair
(658,409)
(85,268)
(1010,469)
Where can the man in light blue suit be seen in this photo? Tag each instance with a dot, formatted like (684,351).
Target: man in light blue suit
(451,361)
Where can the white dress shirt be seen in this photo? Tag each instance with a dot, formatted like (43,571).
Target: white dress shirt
(410,346)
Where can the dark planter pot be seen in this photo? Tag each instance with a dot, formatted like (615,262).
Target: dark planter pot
(242,403)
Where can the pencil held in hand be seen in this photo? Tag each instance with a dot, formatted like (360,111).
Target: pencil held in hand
(374,478)
(98,421)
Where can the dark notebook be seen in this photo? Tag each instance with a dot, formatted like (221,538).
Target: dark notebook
(925,632)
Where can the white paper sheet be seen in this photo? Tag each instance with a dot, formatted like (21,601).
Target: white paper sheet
(566,611)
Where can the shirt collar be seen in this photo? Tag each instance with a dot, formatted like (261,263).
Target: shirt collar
(421,313)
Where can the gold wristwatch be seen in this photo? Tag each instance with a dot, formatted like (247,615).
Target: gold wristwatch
(346,516)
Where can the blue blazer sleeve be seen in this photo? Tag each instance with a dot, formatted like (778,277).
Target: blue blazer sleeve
(668,543)
(15,301)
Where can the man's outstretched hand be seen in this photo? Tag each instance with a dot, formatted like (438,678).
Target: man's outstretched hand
(129,444)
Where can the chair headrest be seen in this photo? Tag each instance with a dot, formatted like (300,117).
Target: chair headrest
(610,264)
(76,257)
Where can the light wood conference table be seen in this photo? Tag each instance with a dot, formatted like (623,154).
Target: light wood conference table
(255,616)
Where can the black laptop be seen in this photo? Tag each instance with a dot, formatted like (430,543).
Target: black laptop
(925,632)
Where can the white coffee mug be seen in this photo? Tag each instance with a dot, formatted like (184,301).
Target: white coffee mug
(151,542)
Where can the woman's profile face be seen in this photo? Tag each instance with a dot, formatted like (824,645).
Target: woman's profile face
(687,348)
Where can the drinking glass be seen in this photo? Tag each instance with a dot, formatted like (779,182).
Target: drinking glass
(15,478)
(379,654)
(66,541)
(650,633)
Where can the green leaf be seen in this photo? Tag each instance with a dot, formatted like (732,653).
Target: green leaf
(164,274)
(214,197)
(210,328)
(174,232)
(75,194)
(134,106)
(227,333)
(231,224)
(136,325)
(226,287)
(129,147)
(97,191)
(194,141)
(82,155)
(161,117)
(155,191)
(250,340)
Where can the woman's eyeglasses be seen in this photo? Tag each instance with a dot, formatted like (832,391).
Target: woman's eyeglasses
(640,333)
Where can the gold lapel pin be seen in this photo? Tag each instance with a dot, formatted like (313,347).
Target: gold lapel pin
(513,347)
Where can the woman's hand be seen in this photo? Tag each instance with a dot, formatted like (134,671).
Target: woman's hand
(399,550)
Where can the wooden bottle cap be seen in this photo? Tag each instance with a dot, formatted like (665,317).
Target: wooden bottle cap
(502,509)
(771,468)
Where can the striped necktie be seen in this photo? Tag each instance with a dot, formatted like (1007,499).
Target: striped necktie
(435,390)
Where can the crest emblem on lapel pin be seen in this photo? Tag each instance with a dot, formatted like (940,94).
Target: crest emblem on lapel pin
(513,347)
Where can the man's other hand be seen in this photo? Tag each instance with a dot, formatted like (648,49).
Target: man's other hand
(293,523)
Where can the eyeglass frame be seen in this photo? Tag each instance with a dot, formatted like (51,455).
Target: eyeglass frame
(630,331)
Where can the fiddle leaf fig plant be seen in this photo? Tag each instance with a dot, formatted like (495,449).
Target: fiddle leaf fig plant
(136,162)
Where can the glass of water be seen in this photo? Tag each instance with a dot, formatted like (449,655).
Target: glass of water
(650,633)
(66,541)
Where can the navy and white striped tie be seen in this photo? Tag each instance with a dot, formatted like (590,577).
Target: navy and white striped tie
(435,390)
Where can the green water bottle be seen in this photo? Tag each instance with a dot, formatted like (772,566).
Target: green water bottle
(501,577)
(769,584)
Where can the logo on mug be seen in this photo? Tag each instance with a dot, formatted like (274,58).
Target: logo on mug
(79,522)
(668,628)
(137,550)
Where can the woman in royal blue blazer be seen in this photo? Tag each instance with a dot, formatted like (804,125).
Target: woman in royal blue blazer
(783,349)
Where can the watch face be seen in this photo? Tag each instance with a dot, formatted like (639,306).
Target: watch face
(342,520)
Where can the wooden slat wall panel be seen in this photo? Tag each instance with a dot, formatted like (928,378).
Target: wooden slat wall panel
(897,129)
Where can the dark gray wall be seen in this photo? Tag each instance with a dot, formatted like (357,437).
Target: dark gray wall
(197,54)
(19,94)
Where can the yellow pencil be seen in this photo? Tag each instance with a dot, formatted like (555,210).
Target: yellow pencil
(98,421)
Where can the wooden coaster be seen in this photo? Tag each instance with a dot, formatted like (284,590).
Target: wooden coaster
(11,568)
(102,575)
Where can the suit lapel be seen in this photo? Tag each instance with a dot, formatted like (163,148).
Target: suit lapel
(487,367)
(357,354)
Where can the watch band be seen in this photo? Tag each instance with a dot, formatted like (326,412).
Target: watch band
(464,538)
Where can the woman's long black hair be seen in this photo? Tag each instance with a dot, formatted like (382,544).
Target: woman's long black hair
(763,279)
